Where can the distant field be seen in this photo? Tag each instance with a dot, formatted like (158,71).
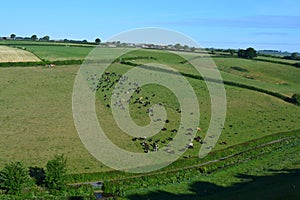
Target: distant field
(66,52)
(21,42)
(9,54)
(278,59)
(275,77)
(36,119)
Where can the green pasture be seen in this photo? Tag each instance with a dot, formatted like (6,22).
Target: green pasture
(66,52)
(36,119)
(272,176)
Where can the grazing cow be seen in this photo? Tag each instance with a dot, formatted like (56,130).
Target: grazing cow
(170,151)
(155,147)
(174,131)
(188,133)
(146,147)
(164,129)
(198,138)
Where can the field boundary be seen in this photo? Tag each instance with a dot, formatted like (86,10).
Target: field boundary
(227,152)
(208,162)
(230,83)
(120,186)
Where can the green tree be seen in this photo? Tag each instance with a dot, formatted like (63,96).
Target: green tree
(178,46)
(241,53)
(56,173)
(13,36)
(296,99)
(97,40)
(249,53)
(34,37)
(14,177)
(231,51)
(186,47)
(46,38)
(294,56)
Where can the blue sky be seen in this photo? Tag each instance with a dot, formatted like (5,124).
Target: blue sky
(221,23)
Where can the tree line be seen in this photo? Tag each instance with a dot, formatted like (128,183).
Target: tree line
(46,38)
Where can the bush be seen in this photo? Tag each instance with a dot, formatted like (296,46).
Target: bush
(297,64)
(296,99)
(56,173)
(14,178)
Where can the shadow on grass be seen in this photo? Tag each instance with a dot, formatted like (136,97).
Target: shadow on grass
(38,174)
(283,184)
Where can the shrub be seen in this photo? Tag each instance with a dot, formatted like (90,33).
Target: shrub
(296,99)
(14,178)
(56,173)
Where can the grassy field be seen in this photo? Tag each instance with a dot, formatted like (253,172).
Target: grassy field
(245,109)
(66,52)
(9,54)
(53,51)
(36,115)
(277,59)
(270,76)
(36,119)
(274,77)
(273,176)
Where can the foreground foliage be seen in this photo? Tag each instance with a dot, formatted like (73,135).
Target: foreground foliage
(14,178)
(56,172)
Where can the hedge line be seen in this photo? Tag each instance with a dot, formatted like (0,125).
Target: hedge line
(88,45)
(241,85)
(40,63)
(119,187)
(275,61)
(220,56)
(21,64)
(183,163)
(235,84)
(65,62)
